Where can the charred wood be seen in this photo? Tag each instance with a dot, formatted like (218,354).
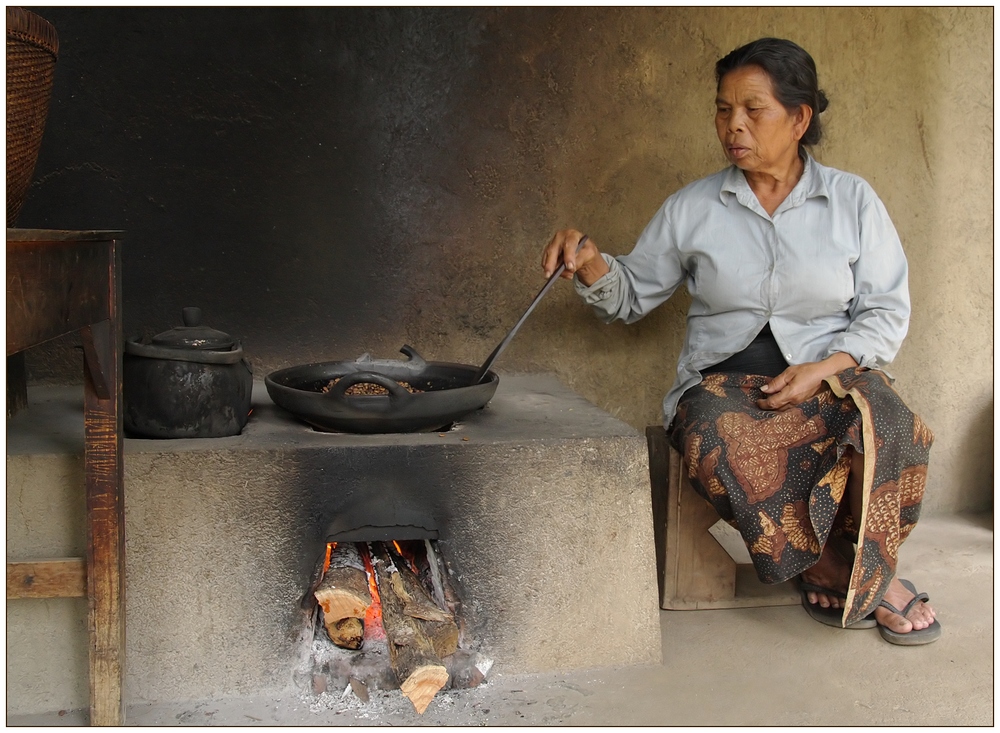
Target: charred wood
(344,596)
(411,653)
(439,625)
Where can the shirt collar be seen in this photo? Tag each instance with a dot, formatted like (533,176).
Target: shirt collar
(811,185)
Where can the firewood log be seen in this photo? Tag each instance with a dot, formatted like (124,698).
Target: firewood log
(429,572)
(344,594)
(439,625)
(423,684)
(435,568)
(411,654)
(347,633)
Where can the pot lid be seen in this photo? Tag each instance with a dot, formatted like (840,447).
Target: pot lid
(193,335)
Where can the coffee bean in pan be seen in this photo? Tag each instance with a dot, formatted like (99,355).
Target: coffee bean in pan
(367,388)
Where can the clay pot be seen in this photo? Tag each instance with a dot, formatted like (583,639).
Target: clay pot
(189,382)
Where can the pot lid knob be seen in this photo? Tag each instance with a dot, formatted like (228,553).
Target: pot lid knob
(191,316)
(193,335)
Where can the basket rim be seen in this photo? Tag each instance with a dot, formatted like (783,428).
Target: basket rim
(27,27)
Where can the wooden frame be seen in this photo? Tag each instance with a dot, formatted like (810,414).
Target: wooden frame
(693,570)
(59,578)
(59,282)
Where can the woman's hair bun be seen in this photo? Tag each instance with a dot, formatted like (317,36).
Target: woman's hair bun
(822,101)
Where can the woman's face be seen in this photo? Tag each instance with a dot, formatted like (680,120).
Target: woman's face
(757,132)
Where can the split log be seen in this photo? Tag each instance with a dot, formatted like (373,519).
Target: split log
(429,571)
(433,567)
(347,633)
(411,654)
(451,597)
(344,596)
(308,601)
(439,625)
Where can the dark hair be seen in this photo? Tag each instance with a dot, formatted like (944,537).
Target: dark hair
(792,72)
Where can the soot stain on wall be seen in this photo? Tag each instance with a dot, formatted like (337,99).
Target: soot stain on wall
(269,165)
(324,182)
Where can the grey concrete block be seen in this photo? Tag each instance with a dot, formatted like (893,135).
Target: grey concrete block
(541,503)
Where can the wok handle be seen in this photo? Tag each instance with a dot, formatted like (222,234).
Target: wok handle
(339,390)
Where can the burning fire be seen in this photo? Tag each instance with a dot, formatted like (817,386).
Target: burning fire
(373,616)
(374,629)
(330,546)
(421,612)
(408,556)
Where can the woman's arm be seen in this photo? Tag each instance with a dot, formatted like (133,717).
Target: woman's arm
(880,310)
(879,313)
(621,288)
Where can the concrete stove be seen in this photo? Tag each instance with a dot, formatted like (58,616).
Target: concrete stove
(540,501)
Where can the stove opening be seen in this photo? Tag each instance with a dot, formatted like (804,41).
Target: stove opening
(386,613)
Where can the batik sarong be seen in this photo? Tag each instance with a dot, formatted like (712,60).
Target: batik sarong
(780,477)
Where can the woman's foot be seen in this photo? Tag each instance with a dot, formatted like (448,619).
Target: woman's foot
(919,617)
(832,571)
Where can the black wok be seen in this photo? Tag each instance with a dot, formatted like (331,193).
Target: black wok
(449,393)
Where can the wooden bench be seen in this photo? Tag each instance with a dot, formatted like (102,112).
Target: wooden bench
(693,569)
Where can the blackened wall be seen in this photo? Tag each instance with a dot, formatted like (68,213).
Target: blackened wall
(275,167)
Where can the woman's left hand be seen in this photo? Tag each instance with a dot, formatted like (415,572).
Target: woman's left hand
(802,382)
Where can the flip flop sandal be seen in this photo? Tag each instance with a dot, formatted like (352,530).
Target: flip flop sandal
(831,616)
(916,637)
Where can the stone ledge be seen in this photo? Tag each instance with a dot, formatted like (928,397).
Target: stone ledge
(526,407)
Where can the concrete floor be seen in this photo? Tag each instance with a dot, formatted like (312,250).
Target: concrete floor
(765,666)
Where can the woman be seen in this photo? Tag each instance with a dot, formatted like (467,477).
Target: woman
(799,298)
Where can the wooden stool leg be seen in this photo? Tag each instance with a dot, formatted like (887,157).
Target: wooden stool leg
(701,570)
(61,282)
(695,571)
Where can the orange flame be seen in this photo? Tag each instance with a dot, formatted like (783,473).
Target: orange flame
(408,556)
(373,616)
(326,560)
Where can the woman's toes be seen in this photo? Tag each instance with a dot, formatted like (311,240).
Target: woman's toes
(818,599)
(893,621)
(829,601)
(922,616)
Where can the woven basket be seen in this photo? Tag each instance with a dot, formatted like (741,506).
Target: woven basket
(32,49)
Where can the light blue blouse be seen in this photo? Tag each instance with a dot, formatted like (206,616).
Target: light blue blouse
(827,271)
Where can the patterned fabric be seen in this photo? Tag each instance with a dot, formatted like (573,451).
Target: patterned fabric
(780,477)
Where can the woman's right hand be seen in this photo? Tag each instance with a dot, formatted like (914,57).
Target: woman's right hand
(587,263)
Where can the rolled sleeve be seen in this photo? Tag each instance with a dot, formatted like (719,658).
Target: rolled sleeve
(605,288)
(640,281)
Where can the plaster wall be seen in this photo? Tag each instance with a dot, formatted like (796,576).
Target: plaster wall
(330,181)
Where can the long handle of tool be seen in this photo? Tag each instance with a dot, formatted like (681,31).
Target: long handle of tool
(503,344)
